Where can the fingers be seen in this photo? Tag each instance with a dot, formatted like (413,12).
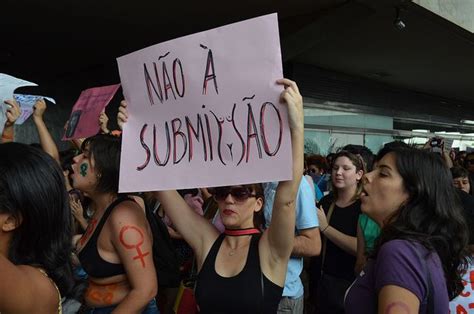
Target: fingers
(13,111)
(122,115)
(123,109)
(291,94)
(40,102)
(289,84)
(39,107)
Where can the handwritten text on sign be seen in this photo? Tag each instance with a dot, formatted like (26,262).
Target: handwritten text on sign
(204,110)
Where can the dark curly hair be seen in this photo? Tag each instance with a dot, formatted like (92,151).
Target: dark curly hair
(432,216)
(32,190)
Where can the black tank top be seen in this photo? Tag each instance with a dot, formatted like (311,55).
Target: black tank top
(89,256)
(248,292)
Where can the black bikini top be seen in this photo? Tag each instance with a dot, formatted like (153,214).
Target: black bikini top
(89,256)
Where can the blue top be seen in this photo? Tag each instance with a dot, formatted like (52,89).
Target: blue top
(306,218)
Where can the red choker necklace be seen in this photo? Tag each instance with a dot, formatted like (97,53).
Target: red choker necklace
(241,232)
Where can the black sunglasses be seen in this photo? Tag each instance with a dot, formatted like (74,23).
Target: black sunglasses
(239,193)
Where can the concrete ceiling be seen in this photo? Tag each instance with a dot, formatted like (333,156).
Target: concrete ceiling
(66,45)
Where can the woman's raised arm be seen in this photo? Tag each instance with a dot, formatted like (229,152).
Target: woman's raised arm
(280,234)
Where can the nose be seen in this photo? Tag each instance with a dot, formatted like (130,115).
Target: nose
(77,158)
(229,199)
(367,178)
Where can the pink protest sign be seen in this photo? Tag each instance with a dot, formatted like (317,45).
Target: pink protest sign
(84,119)
(204,110)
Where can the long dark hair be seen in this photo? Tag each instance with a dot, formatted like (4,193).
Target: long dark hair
(105,149)
(32,190)
(432,215)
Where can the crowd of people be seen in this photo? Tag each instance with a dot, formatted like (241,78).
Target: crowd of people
(352,232)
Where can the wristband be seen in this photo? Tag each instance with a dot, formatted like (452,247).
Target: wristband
(325,228)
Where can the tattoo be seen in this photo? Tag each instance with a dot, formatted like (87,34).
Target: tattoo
(84,168)
(137,246)
(89,230)
(399,306)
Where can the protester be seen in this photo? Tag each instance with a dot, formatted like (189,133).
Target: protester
(243,270)
(35,233)
(116,248)
(419,256)
(338,216)
(461,179)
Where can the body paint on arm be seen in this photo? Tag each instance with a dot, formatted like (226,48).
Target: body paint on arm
(397,307)
(136,241)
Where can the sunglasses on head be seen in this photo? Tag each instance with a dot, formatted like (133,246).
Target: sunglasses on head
(239,193)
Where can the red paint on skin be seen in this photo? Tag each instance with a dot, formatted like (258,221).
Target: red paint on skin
(100,297)
(140,255)
(397,305)
(89,230)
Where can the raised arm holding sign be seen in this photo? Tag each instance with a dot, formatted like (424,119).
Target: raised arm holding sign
(227,254)
(240,208)
(212,104)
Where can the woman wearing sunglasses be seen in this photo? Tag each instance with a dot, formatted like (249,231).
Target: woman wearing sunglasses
(243,270)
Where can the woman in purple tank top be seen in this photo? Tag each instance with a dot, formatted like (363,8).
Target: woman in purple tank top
(418,258)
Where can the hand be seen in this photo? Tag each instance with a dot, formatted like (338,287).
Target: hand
(323,221)
(39,108)
(103,121)
(13,112)
(76,207)
(122,116)
(291,95)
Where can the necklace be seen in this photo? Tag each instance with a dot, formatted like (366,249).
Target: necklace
(233,251)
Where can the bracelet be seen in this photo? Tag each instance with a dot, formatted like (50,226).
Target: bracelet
(325,228)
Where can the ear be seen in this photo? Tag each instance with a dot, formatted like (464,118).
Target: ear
(10,223)
(360,174)
(259,204)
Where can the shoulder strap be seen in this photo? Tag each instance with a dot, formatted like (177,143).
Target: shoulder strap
(325,239)
(109,209)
